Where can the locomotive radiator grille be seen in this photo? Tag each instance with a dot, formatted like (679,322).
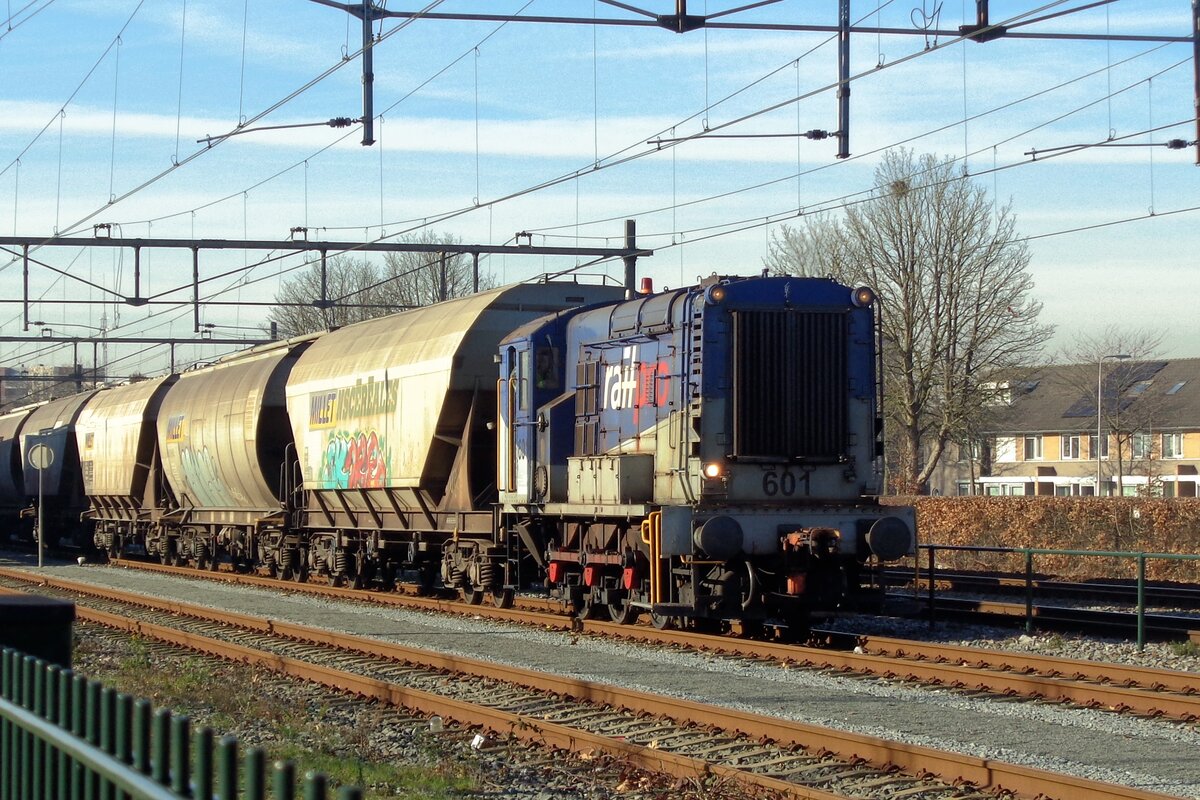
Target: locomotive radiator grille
(790,382)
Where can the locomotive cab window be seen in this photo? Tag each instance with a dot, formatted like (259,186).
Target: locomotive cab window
(545,368)
(523,380)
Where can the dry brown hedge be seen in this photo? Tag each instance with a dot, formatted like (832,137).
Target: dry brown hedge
(1124,524)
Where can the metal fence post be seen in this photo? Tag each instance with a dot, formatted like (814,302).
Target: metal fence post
(227,769)
(256,775)
(108,724)
(91,784)
(25,692)
(50,714)
(315,786)
(5,726)
(932,580)
(1029,592)
(285,781)
(1141,601)
(78,722)
(160,746)
(203,774)
(38,706)
(141,736)
(66,679)
(181,735)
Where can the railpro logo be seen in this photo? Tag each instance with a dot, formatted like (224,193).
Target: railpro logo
(621,381)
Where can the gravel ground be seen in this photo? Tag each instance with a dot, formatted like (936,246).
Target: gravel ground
(363,733)
(1148,754)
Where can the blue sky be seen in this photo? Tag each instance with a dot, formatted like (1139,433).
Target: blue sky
(475,112)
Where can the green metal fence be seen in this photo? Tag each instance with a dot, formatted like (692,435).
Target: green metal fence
(1028,553)
(65,737)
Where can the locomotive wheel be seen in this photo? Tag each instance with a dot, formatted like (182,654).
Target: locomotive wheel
(502,598)
(751,629)
(623,612)
(796,629)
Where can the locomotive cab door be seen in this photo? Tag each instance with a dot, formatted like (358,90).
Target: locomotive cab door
(516,433)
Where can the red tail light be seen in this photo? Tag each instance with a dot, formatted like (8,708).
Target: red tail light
(591,576)
(628,578)
(556,572)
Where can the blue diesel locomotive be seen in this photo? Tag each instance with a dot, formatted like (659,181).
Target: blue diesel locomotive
(705,454)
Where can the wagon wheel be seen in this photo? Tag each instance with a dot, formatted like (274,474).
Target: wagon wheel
(585,608)
(427,577)
(663,623)
(623,611)
(502,598)
(294,572)
(471,594)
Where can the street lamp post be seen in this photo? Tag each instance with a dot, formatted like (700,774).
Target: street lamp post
(1100,408)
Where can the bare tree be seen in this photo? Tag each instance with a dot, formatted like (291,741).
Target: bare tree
(414,279)
(357,289)
(1125,362)
(348,296)
(955,305)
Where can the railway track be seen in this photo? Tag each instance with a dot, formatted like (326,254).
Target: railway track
(1116,687)
(1119,688)
(660,734)
(1087,620)
(1124,593)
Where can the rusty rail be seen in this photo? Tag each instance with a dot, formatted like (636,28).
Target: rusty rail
(913,759)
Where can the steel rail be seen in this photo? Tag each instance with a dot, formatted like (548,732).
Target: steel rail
(506,723)
(1186,683)
(1139,690)
(912,759)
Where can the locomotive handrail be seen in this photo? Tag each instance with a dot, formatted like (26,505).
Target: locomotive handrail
(652,535)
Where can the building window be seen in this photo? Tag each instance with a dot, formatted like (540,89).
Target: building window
(1172,445)
(1141,445)
(1103,447)
(1033,448)
(1168,489)
(1062,489)
(1070,447)
(964,489)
